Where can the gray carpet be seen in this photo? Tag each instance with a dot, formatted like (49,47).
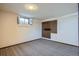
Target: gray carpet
(40,47)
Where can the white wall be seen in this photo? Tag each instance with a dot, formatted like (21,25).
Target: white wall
(12,33)
(67,29)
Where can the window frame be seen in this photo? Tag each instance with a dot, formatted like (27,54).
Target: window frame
(29,20)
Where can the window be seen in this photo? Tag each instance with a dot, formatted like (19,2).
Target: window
(23,20)
(30,21)
(26,21)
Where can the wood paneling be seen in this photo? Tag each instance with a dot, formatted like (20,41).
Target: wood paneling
(46,29)
(49,27)
(54,26)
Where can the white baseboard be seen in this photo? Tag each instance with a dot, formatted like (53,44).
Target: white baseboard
(58,41)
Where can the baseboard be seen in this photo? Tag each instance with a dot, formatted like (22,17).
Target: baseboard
(37,39)
(18,43)
(59,42)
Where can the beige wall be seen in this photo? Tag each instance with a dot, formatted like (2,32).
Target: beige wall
(0,28)
(11,33)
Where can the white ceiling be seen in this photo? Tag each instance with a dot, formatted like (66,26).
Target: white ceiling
(45,11)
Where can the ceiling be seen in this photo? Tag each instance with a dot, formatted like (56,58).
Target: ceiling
(45,11)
